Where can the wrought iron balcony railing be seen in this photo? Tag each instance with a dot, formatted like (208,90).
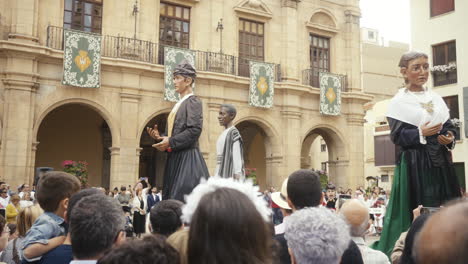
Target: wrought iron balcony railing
(146,51)
(311,77)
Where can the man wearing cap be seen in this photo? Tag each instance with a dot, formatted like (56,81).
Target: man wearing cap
(185,165)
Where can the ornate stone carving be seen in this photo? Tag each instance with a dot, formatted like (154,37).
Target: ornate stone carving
(255,8)
(352,17)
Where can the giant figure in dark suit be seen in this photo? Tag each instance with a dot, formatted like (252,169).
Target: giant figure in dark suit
(185,165)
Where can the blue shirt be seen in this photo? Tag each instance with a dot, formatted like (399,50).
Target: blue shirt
(47,226)
(59,255)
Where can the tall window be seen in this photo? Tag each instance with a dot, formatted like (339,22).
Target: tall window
(251,44)
(85,15)
(319,57)
(439,7)
(174,25)
(445,56)
(452,104)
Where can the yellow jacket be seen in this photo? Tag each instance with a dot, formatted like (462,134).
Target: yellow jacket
(11,213)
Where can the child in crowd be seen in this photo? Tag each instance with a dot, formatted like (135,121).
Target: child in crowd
(48,231)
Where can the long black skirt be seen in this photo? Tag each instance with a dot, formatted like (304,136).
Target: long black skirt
(184,170)
(139,222)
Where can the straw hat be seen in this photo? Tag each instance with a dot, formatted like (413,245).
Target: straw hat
(281,198)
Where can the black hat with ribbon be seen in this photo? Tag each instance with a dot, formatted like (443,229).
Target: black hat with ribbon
(185,69)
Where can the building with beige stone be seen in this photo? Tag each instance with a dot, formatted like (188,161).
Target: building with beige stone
(43,122)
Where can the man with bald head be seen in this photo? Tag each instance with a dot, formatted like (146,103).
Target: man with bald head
(444,237)
(357,216)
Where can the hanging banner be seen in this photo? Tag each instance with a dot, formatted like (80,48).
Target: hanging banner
(330,93)
(172,57)
(81,59)
(262,84)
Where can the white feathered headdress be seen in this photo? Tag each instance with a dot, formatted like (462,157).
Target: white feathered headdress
(214,183)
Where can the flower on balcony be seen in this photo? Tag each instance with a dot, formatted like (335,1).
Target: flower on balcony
(456,122)
(77,168)
(451,66)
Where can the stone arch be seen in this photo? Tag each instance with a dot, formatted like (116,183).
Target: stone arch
(337,147)
(101,110)
(86,136)
(323,17)
(261,148)
(151,161)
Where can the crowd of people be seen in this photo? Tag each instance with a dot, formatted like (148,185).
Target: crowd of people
(221,221)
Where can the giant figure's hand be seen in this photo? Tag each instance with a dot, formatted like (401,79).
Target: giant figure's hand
(163,145)
(428,131)
(446,139)
(154,132)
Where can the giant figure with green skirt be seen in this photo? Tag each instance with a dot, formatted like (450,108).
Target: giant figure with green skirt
(420,125)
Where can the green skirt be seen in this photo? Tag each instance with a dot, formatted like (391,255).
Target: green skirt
(413,186)
(397,216)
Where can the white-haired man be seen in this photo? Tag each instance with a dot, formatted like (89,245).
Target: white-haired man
(316,235)
(357,216)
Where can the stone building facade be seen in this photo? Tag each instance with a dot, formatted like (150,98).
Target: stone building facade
(44,122)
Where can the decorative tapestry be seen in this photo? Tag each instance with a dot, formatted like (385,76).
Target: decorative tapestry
(262,84)
(172,57)
(81,59)
(330,93)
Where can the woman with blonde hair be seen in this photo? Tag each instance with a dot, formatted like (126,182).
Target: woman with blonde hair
(26,201)
(12,209)
(25,220)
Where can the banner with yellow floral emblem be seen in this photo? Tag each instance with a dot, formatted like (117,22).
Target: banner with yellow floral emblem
(262,84)
(81,59)
(330,93)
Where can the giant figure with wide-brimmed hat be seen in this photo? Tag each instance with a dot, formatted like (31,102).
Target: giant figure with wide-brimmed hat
(185,165)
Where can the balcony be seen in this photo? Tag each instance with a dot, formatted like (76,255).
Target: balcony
(146,51)
(310,77)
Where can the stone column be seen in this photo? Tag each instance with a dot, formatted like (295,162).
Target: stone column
(355,131)
(24,21)
(291,139)
(289,65)
(20,84)
(213,133)
(353,49)
(125,164)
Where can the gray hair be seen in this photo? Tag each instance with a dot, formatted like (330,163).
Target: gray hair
(95,223)
(230,109)
(409,56)
(316,235)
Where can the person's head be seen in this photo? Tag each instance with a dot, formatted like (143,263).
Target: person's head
(414,68)
(218,232)
(416,226)
(26,218)
(3,193)
(55,189)
(15,199)
(304,189)
(77,197)
(26,196)
(26,188)
(2,185)
(357,216)
(138,191)
(184,76)
(165,217)
(96,223)
(227,113)
(154,190)
(444,238)
(331,191)
(281,199)
(151,249)
(123,188)
(316,235)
